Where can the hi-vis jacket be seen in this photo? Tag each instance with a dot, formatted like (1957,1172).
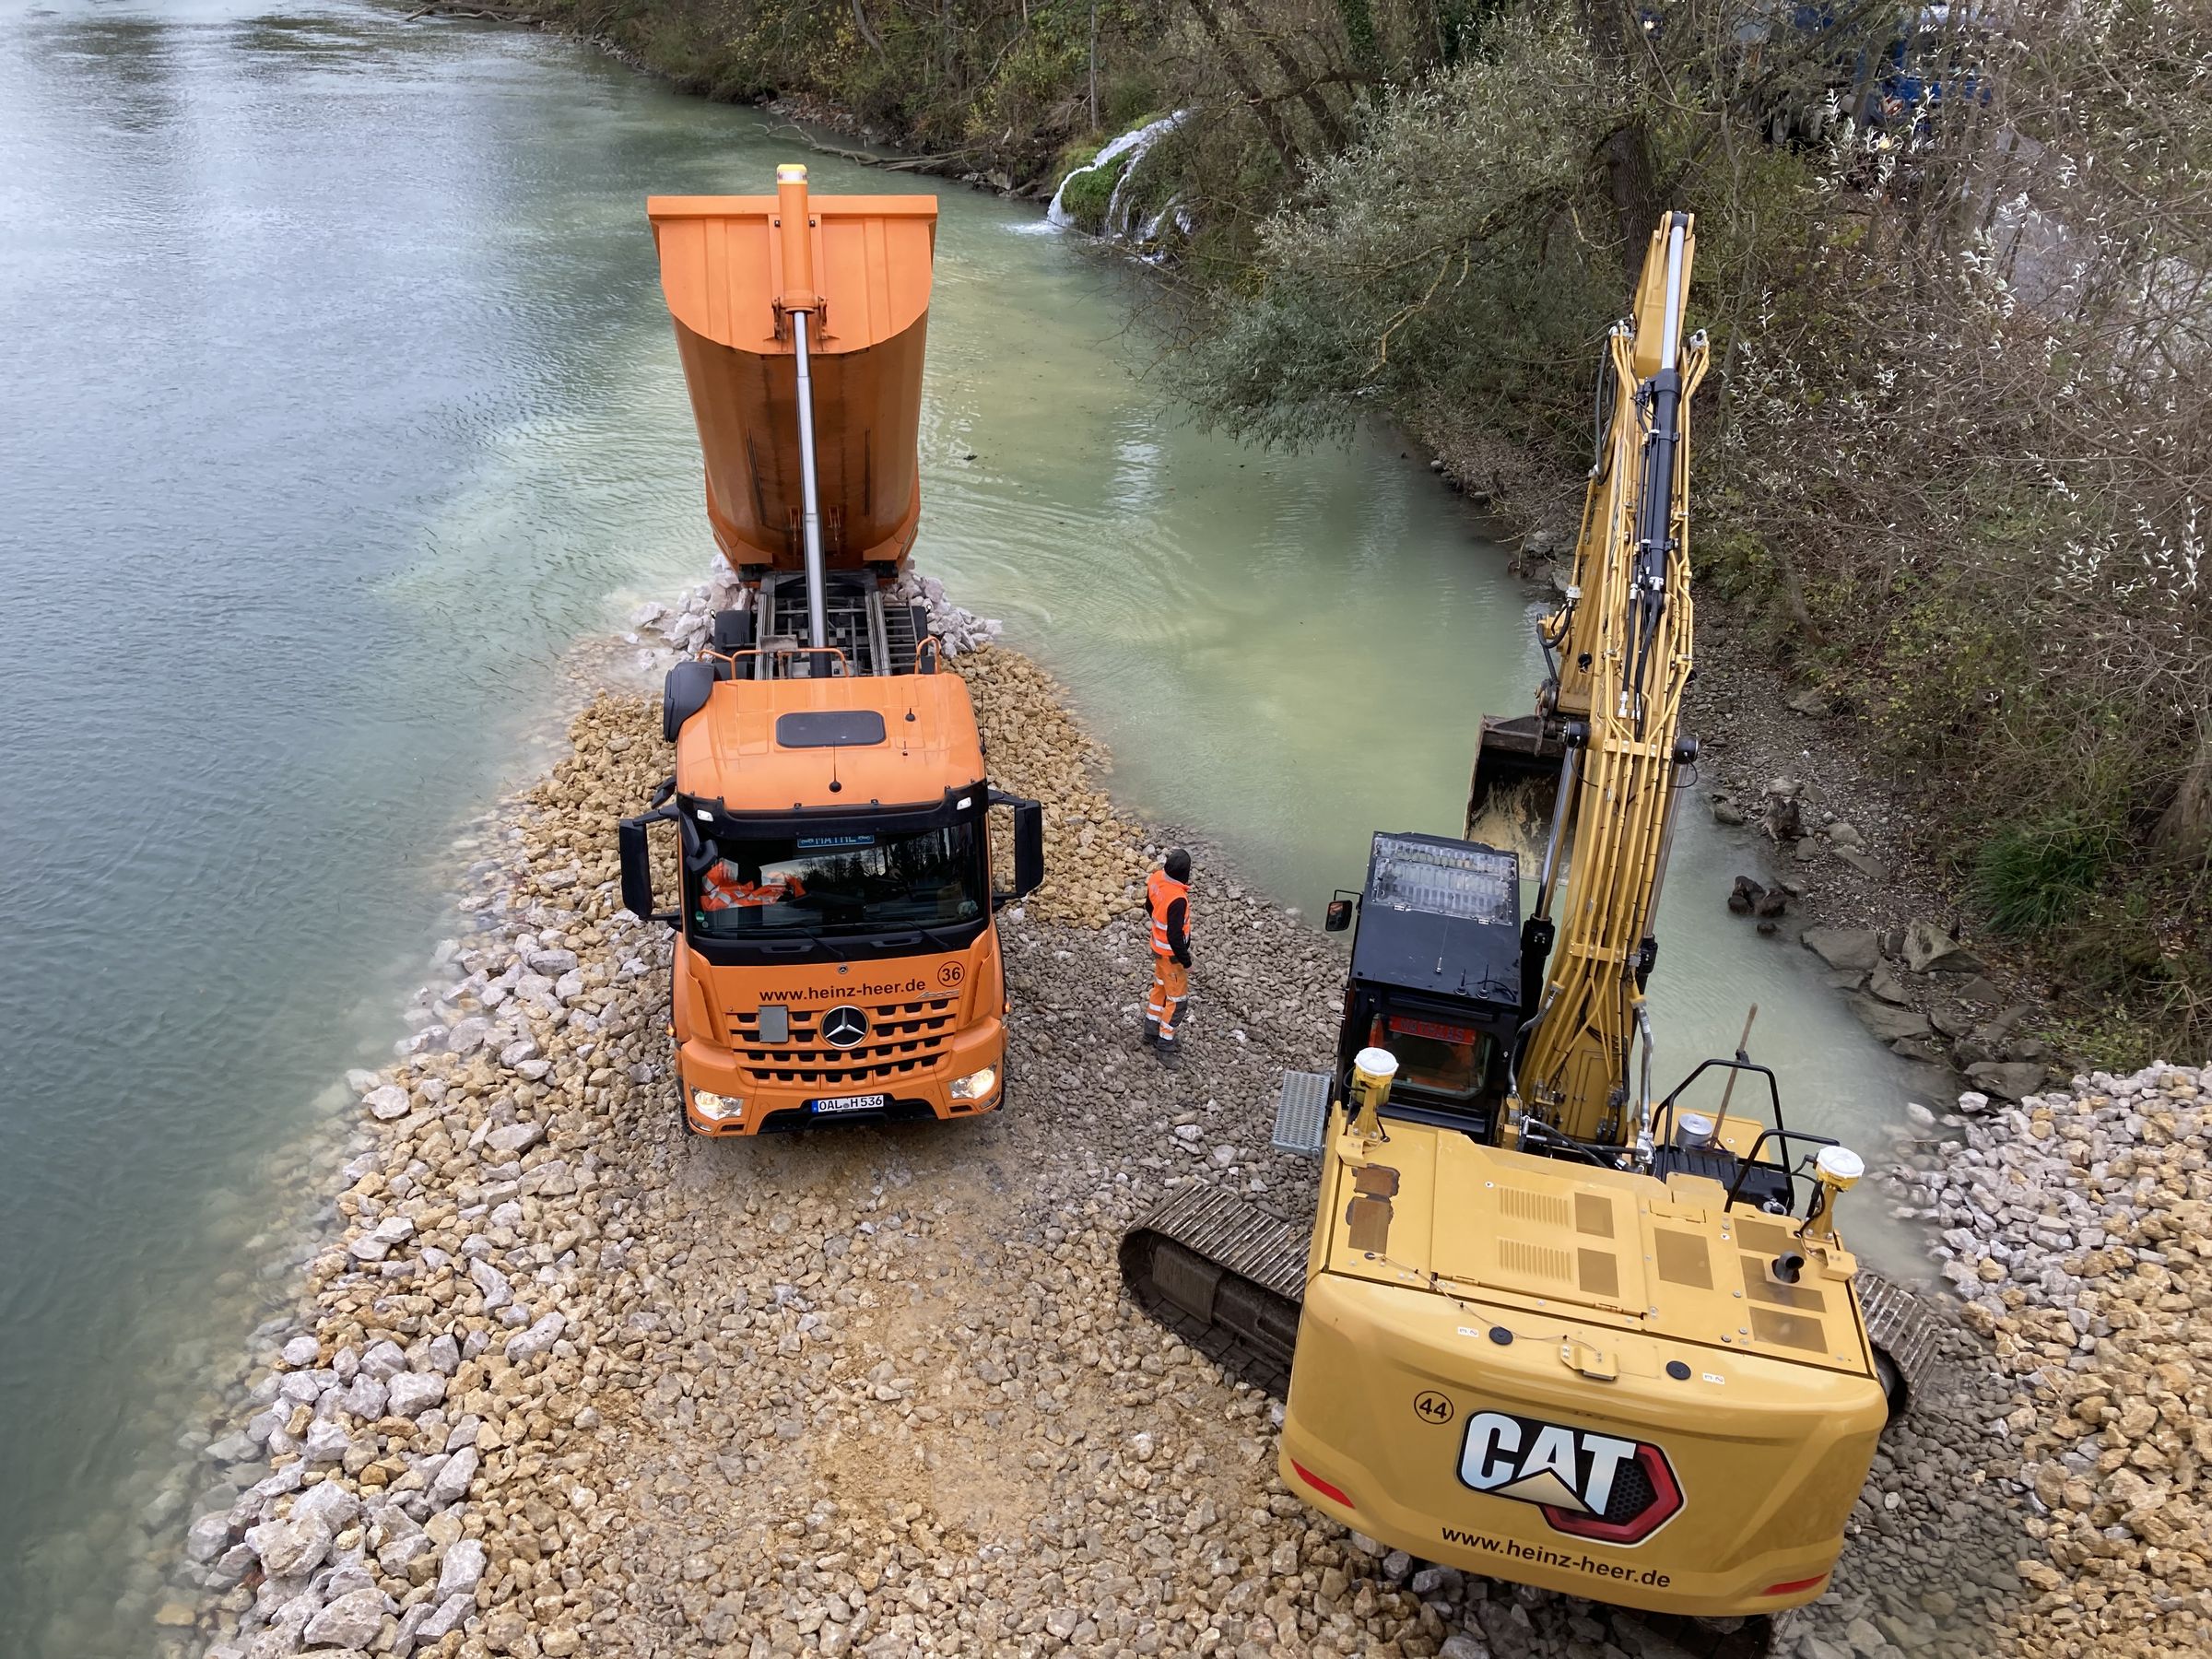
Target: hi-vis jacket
(726,889)
(1168,901)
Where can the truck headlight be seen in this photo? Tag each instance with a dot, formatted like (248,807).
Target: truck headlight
(716,1107)
(975,1085)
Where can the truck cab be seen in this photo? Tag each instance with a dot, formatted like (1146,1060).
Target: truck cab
(836,957)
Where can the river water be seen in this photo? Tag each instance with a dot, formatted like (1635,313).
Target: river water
(339,406)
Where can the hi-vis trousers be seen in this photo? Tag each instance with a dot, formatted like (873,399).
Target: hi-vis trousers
(1171,986)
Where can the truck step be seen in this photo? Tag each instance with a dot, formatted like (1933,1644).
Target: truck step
(1301,1113)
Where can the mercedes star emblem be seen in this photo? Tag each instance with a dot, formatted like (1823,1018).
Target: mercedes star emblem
(845,1026)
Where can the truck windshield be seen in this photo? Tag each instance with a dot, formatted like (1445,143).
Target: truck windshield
(837,884)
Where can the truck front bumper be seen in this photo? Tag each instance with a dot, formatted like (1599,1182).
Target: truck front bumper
(739,1104)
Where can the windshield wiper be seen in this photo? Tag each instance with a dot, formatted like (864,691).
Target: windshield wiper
(914,934)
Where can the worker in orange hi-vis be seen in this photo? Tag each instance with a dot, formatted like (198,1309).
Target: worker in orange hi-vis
(1168,897)
(728,887)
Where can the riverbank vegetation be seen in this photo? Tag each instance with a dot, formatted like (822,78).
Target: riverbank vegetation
(1954,458)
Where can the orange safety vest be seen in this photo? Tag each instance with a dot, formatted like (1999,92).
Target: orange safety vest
(1162,890)
(726,890)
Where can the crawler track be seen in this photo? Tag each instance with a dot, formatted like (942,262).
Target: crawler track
(1905,1329)
(1224,1277)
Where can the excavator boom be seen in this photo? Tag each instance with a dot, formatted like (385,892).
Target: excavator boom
(1624,659)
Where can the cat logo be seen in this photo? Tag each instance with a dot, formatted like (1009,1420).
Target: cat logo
(1588,1485)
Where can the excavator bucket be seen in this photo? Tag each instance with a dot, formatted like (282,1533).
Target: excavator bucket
(1516,790)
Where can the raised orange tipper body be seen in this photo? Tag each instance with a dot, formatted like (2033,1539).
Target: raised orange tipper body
(836,957)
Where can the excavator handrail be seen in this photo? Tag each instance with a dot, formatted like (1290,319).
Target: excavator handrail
(1665,1111)
(1750,1161)
(1663,1122)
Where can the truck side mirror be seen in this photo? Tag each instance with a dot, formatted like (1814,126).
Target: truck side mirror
(1337,917)
(1029,847)
(683,694)
(636,867)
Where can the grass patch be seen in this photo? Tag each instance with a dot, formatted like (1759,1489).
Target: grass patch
(1132,98)
(2030,877)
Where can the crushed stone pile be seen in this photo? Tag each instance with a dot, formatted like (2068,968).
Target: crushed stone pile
(2079,1227)
(1095,857)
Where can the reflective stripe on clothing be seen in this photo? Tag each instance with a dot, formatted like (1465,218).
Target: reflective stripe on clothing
(726,889)
(1160,891)
(1170,987)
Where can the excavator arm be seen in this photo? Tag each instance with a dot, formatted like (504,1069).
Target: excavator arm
(1622,644)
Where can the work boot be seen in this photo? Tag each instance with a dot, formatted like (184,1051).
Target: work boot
(1169,1050)
(1151,1033)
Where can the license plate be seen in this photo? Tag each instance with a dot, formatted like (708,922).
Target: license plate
(837,1103)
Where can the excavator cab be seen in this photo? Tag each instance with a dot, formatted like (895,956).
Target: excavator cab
(1435,979)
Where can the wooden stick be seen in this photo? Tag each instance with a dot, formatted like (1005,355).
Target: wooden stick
(887,163)
(1743,1051)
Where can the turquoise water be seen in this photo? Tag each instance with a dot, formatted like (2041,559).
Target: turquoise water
(339,404)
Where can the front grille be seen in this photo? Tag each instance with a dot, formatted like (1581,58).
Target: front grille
(905,1040)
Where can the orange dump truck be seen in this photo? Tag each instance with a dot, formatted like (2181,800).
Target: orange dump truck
(836,958)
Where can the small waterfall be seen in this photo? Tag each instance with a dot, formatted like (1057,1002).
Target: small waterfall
(1140,140)
(1151,227)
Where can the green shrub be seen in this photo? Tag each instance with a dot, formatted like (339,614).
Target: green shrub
(1075,152)
(2031,877)
(1088,193)
(1131,98)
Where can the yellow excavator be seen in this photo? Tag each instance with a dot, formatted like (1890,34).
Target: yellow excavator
(1550,1325)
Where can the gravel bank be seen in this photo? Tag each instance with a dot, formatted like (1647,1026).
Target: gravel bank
(569,1380)
(2077,1223)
